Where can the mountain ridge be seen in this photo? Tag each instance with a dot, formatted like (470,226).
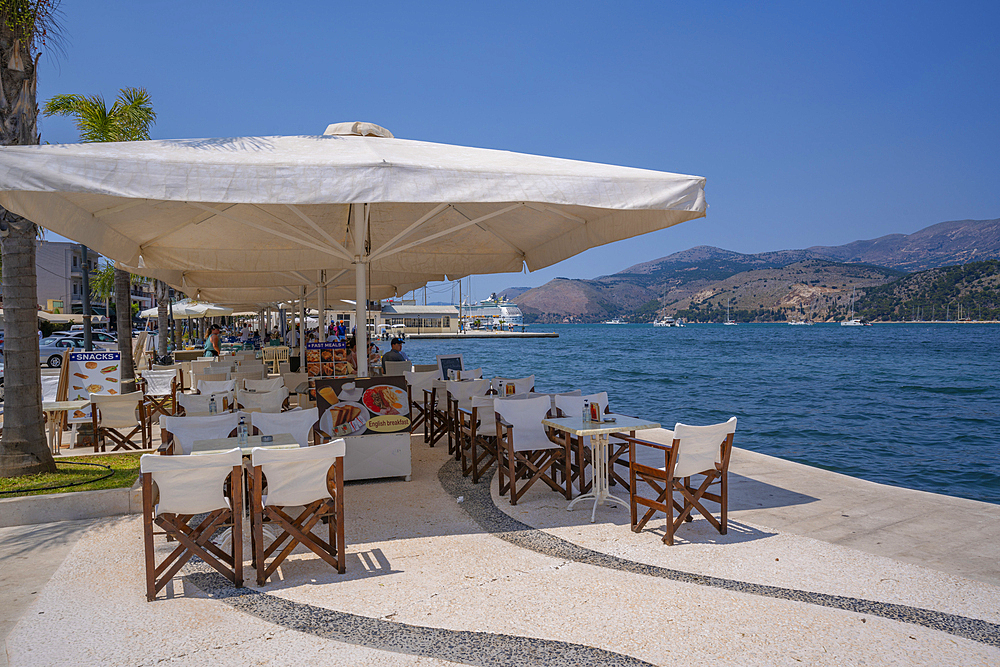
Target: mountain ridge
(689,279)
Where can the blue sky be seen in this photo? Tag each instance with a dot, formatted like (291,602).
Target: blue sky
(814,123)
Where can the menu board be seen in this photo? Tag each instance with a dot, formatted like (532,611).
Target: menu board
(91,373)
(355,406)
(327,359)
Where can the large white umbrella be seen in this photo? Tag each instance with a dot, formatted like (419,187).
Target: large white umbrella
(187,309)
(353,199)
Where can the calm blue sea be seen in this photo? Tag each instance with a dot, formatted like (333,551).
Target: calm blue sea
(912,405)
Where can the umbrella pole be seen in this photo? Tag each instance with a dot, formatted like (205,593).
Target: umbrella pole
(302,329)
(360,294)
(321,306)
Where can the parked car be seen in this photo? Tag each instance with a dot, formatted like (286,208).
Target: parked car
(51,349)
(102,340)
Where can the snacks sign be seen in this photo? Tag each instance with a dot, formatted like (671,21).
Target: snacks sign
(327,359)
(92,373)
(362,405)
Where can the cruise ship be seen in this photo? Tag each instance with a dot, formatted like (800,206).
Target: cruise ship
(493,313)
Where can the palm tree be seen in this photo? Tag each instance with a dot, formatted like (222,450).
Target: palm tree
(25,25)
(128,119)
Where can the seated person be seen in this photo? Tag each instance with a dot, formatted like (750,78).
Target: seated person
(395,354)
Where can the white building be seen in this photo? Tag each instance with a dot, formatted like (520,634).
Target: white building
(422,319)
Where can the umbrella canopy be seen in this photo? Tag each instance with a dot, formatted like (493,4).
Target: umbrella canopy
(187,309)
(354,198)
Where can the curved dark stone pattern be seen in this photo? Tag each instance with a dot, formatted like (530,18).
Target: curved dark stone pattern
(470,648)
(479,504)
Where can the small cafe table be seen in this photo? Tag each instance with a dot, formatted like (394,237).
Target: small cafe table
(52,409)
(598,432)
(278,441)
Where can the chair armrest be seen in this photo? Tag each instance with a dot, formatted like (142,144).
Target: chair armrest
(645,443)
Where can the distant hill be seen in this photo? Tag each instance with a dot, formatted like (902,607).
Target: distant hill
(767,285)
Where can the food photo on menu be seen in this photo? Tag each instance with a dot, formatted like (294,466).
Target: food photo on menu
(92,373)
(355,406)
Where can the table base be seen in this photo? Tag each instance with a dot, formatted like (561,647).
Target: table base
(599,482)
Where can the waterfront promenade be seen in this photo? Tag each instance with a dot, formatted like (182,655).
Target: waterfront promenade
(817,568)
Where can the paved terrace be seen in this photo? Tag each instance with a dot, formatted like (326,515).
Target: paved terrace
(817,568)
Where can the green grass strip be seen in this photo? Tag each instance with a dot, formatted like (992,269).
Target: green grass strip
(124,469)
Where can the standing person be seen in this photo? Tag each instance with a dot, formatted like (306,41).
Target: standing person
(213,347)
(245,334)
(292,337)
(395,354)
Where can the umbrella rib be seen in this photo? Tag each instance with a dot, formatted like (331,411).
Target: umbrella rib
(553,209)
(275,232)
(339,274)
(196,220)
(319,230)
(433,213)
(452,230)
(490,231)
(121,207)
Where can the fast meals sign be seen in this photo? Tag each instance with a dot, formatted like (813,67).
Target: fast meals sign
(92,373)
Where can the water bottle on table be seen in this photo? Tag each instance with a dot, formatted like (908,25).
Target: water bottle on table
(586,411)
(241,432)
(212,408)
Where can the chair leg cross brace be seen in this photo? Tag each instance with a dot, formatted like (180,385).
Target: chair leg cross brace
(600,493)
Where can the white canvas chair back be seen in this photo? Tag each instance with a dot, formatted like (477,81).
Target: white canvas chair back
(241,376)
(158,382)
(50,388)
(117,411)
(398,367)
(191,484)
(216,387)
(474,374)
(244,355)
(294,380)
(255,367)
(197,404)
(441,387)
(187,430)
(220,367)
(521,385)
(699,446)
(201,365)
(184,382)
(526,415)
(177,368)
(552,397)
(572,406)
(297,476)
(268,401)
(209,377)
(284,368)
(419,381)
(270,384)
(464,391)
(297,422)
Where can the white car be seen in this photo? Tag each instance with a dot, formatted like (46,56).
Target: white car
(101,340)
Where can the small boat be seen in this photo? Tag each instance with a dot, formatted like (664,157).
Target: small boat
(852,321)
(614,321)
(796,323)
(729,321)
(668,322)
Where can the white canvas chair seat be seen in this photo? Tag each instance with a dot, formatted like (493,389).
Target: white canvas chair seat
(299,423)
(270,401)
(175,488)
(197,405)
(270,384)
(687,451)
(180,433)
(525,451)
(416,383)
(521,385)
(312,477)
(118,418)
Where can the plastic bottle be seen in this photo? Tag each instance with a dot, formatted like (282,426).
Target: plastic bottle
(586,410)
(500,391)
(241,432)
(212,407)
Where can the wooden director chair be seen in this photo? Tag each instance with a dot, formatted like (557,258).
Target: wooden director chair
(310,478)
(687,451)
(186,497)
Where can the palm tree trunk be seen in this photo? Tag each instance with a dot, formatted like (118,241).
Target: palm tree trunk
(162,295)
(123,306)
(23,448)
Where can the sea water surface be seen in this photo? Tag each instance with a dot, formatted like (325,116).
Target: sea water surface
(911,405)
